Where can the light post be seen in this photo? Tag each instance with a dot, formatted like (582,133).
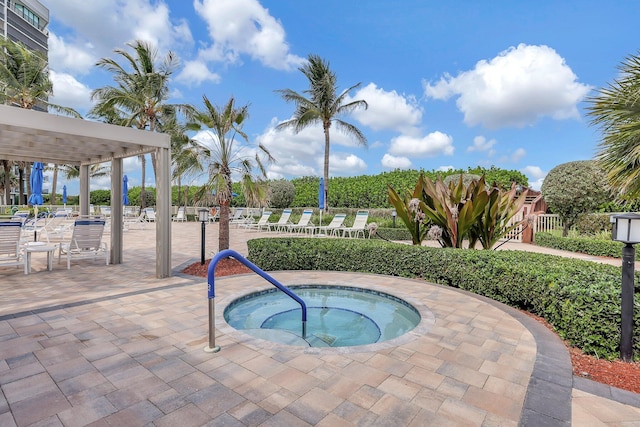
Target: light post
(627,230)
(203,215)
(394,214)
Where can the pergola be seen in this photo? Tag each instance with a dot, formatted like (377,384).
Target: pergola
(29,135)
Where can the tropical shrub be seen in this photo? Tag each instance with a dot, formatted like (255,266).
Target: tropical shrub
(100,197)
(281,193)
(451,213)
(581,299)
(467,178)
(593,224)
(574,188)
(585,245)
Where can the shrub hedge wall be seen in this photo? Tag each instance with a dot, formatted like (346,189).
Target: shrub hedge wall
(581,299)
(584,245)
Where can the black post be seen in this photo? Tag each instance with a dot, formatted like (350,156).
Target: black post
(202,244)
(628,281)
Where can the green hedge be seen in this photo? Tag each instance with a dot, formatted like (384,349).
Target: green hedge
(583,245)
(581,299)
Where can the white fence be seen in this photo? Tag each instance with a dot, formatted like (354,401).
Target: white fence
(515,235)
(547,223)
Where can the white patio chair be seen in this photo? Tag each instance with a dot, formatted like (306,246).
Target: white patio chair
(263,222)
(180,216)
(149,215)
(359,225)
(334,227)
(86,242)
(10,245)
(282,222)
(239,218)
(303,222)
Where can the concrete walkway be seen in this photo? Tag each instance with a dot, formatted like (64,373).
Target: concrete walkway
(113,346)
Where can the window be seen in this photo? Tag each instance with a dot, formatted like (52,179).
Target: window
(28,15)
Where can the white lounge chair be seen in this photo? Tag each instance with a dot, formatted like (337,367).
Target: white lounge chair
(303,222)
(180,216)
(239,218)
(334,227)
(86,242)
(149,215)
(10,245)
(359,225)
(282,222)
(263,222)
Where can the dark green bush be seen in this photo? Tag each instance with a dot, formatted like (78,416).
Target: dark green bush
(593,223)
(282,193)
(581,299)
(584,245)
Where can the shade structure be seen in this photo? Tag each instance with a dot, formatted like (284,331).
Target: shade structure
(125,190)
(37,177)
(64,194)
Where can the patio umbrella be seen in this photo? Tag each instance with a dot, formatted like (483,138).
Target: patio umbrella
(64,195)
(125,190)
(35,199)
(321,198)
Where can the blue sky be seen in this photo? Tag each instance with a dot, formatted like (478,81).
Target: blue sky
(449,84)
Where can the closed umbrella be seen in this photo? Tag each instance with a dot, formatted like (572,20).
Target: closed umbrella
(125,190)
(64,195)
(321,198)
(35,199)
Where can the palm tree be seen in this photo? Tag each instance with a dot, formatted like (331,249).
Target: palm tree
(322,105)
(225,158)
(97,170)
(139,97)
(25,83)
(616,111)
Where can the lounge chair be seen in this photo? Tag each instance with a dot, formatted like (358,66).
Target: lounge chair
(282,222)
(180,216)
(10,245)
(263,222)
(149,215)
(333,228)
(359,225)
(303,222)
(239,218)
(86,242)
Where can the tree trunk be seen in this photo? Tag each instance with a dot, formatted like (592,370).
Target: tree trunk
(565,229)
(326,166)
(22,197)
(223,230)
(7,182)
(28,181)
(54,185)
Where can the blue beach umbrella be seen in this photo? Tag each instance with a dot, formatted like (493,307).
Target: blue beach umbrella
(64,195)
(35,199)
(321,198)
(125,190)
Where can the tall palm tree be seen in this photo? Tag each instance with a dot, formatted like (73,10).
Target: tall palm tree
(25,83)
(97,170)
(616,111)
(322,105)
(226,157)
(141,91)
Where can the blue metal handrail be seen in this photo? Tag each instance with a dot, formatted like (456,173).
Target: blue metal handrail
(229,253)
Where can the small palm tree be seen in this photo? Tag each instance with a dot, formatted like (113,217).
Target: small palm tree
(322,105)
(616,111)
(226,157)
(140,95)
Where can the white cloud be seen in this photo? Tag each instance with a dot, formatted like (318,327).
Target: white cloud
(195,73)
(516,88)
(69,57)
(395,162)
(94,21)
(445,168)
(387,110)
(69,92)
(295,154)
(518,155)
(536,176)
(434,144)
(346,164)
(238,27)
(480,143)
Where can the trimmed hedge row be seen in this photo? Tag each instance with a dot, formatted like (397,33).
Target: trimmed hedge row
(581,299)
(584,245)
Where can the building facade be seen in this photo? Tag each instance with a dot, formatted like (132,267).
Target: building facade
(25,21)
